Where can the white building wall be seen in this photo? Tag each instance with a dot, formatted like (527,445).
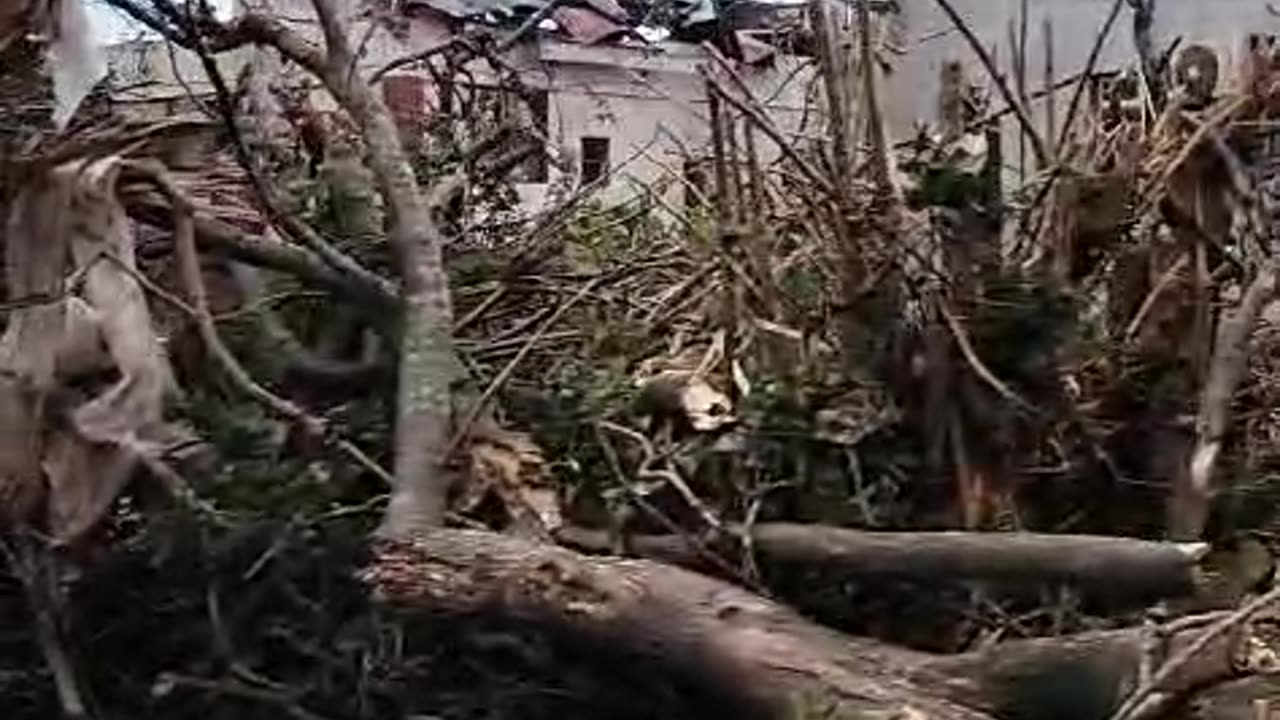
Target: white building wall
(649,101)
(652,105)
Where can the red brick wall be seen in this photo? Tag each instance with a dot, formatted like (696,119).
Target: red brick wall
(406,98)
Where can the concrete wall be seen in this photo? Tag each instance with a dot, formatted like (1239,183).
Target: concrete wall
(929,39)
(651,105)
(147,77)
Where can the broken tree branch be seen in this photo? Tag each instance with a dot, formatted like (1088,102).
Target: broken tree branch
(496,385)
(1188,656)
(193,279)
(1189,507)
(1144,43)
(750,109)
(269,200)
(1095,52)
(1110,564)
(838,106)
(1080,676)
(764,660)
(220,237)
(881,157)
(32,562)
(993,70)
(980,368)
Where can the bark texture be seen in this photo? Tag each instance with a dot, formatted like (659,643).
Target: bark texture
(1189,506)
(753,648)
(768,656)
(426,362)
(1116,566)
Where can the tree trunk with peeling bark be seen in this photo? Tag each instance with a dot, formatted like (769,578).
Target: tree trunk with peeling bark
(426,361)
(426,338)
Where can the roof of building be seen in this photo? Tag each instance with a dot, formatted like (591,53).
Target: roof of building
(592,22)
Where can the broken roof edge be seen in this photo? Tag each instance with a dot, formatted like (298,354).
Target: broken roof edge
(689,15)
(646,57)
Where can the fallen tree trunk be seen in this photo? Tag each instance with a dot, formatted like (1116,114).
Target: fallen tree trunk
(746,646)
(1115,566)
(756,651)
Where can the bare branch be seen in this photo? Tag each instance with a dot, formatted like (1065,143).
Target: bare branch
(1135,707)
(752,110)
(474,414)
(189,261)
(833,81)
(1099,42)
(335,37)
(268,198)
(980,368)
(217,236)
(1020,112)
(249,29)
(420,56)
(1227,370)
(1113,566)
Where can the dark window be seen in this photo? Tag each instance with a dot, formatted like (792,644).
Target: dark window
(595,158)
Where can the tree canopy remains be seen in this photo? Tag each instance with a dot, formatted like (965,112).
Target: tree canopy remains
(871,429)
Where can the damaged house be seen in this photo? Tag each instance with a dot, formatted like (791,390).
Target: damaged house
(614,91)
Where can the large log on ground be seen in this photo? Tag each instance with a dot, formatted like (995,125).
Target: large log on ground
(751,648)
(1121,567)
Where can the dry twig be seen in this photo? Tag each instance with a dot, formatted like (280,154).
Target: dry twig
(1136,706)
(647,471)
(464,429)
(980,368)
(1020,112)
(189,259)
